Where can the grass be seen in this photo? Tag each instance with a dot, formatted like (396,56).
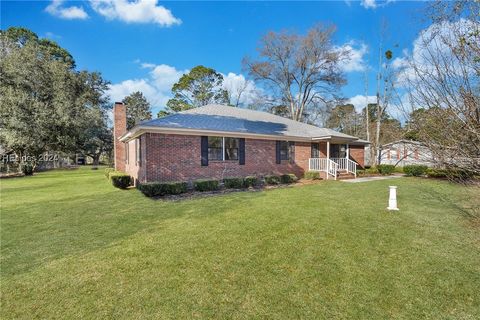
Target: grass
(72,246)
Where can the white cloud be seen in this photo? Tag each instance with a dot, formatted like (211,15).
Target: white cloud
(360,101)
(368,4)
(146,65)
(52,35)
(373,4)
(73,12)
(357,51)
(433,44)
(156,85)
(139,11)
(164,76)
(120,90)
(240,89)
(399,63)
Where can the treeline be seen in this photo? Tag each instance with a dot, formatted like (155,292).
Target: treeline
(46,105)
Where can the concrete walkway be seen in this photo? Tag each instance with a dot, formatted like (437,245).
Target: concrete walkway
(366,179)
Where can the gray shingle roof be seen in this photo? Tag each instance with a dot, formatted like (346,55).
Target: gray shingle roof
(223,118)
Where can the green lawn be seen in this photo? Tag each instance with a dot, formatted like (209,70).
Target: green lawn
(72,246)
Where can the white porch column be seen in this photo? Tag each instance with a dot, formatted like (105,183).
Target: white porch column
(348,151)
(328,157)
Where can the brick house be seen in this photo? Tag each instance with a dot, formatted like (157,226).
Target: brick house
(217,141)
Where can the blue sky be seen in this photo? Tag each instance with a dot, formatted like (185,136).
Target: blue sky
(148,46)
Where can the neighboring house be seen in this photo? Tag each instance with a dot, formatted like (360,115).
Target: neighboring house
(406,152)
(217,141)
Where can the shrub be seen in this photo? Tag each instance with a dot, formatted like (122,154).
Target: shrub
(436,173)
(206,185)
(399,169)
(154,189)
(27,169)
(311,175)
(371,170)
(453,174)
(288,178)
(120,180)
(233,183)
(385,169)
(271,179)
(107,172)
(250,181)
(415,170)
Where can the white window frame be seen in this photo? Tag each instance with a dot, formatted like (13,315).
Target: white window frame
(223,150)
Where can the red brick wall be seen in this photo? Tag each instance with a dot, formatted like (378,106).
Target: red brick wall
(177,158)
(119,129)
(357,154)
(134,168)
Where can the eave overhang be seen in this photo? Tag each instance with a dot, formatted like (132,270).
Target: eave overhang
(139,130)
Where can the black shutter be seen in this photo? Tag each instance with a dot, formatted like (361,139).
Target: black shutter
(241,151)
(277,152)
(291,149)
(204,152)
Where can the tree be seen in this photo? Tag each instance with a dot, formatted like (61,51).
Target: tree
(97,137)
(138,109)
(19,37)
(162,113)
(442,76)
(299,70)
(384,82)
(345,119)
(44,103)
(415,119)
(199,87)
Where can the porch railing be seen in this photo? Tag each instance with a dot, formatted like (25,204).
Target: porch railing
(332,166)
(346,164)
(325,165)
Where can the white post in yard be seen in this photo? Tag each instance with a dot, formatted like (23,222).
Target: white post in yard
(348,151)
(392,199)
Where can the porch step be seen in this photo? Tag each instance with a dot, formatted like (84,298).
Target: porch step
(346,177)
(344,174)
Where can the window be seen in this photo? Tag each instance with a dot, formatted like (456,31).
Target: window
(393,154)
(220,148)
(231,148)
(315,150)
(138,151)
(284,150)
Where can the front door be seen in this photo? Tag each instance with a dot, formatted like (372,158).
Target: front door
(338,151)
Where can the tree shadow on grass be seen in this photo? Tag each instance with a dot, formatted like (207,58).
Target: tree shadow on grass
(467,202)
(36,234)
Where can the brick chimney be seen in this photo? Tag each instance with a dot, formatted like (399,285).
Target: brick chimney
(119,129)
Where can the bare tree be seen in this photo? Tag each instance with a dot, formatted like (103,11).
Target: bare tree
(384,83)
(442,76)
(299,70)
(367,118)
(241,91)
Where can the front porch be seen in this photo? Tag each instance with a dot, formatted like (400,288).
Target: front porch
(336,163)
